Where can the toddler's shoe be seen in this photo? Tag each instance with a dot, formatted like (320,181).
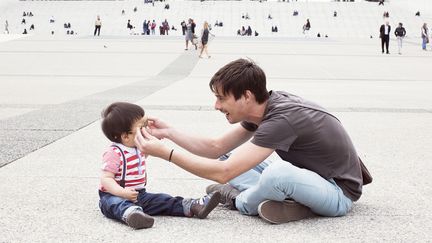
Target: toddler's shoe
(201,207)
(228,194)
(139,220)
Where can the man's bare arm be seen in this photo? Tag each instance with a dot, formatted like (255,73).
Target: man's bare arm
(211,147)
(199,145)
(246,157)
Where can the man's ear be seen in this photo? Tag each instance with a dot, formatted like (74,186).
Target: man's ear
(249,95)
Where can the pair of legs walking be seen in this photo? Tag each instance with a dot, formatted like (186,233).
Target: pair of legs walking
(97,30)
(399,40)
(280,180)
(204,49)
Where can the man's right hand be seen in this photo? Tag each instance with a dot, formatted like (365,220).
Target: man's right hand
(130,194)
(157,128)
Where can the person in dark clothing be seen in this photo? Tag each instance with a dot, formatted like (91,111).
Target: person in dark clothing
(204,40)
(98,25)
(249,31)
(385,36)
(400,34)
(183,26)
(129,25)
(306,27)
(193,25)
(381,2)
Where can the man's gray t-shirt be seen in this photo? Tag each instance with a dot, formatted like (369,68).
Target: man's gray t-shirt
(310,139)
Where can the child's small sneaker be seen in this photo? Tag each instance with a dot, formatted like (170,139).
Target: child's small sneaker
(139,220)
(201,207)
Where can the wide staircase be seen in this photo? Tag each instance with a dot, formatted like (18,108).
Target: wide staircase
(359,19)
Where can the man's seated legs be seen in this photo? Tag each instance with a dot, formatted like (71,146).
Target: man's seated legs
(249,178)
(240,183)
(282,180)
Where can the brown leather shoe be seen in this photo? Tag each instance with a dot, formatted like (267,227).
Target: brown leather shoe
(139,220)
(201,207)
(228,194)
(276,212)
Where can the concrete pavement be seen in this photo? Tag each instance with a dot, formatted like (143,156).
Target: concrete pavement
(54,89)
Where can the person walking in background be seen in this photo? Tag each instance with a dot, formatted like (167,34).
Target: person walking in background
(145,27)
(165,26)
(204,39)
(385,36)
(189,34)
(153,27)
(98,25)
(400,34)
(183,26)
(306,27)
(6,27)
(425,36)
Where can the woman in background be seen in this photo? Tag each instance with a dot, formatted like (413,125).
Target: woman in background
(204,39)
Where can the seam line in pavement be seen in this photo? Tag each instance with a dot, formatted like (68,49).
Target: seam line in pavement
(52,122)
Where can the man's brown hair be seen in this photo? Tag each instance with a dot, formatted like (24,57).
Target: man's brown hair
(238,76)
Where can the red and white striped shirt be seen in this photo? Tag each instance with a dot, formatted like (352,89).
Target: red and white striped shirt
(136,176)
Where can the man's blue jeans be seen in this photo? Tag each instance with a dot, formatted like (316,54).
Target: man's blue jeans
(279,180)
(151,203)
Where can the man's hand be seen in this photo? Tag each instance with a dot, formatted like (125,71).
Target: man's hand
(157,128)
(150,145)
(130,194)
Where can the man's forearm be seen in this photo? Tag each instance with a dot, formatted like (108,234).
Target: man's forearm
(201,146)
(211,169)
(210,147)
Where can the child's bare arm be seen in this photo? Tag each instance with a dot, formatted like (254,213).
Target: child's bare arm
(111,186)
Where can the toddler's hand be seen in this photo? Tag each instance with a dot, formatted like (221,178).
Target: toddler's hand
(130,194)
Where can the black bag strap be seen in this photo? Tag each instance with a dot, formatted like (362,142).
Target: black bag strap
(122,181)
(366,175)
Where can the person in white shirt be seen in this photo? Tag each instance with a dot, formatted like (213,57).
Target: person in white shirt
(98,25)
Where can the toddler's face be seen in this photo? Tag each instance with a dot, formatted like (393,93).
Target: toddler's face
(141,123)
(129,140)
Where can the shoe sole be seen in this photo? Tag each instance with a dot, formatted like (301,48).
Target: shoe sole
(213,202)
(140,221)
(276,212)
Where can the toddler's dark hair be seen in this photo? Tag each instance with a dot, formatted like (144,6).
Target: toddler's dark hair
(118,118)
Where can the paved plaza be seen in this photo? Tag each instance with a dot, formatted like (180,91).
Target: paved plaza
(53,90)
(54,87)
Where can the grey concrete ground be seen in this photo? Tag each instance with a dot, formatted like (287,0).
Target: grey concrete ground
(53,90)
